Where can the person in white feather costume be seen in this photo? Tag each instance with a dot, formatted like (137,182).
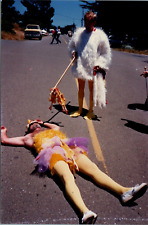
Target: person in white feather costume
(90,46)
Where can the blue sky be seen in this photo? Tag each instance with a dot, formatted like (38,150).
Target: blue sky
(66,12)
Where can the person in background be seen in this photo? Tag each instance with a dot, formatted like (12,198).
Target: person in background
(144,74)
(54,35)
(58,35)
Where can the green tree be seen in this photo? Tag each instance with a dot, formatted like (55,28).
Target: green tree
(122,18)
(119,16)
(9,15)
(38,12)
(93,6)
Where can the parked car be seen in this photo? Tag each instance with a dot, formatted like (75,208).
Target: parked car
(33,31)
(44,32)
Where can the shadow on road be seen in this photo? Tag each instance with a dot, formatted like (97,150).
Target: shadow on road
(72,109)
(136,126)
(140,106)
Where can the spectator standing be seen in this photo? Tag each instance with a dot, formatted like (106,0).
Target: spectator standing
(54,35)
(58,35)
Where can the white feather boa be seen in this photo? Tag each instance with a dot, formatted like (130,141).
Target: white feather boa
(99,91)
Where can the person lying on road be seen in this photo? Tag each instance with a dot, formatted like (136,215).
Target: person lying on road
(64,156)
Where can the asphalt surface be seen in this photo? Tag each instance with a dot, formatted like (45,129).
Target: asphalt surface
(29,69)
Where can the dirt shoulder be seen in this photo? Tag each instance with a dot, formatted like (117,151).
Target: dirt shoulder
(17,34)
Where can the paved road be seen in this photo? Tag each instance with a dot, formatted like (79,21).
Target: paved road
(29,69)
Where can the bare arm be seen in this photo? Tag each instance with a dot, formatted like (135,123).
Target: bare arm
(15,141)
(51,126)
(24,141)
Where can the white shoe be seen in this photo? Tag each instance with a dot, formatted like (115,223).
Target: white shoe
(129,195)
(89,218)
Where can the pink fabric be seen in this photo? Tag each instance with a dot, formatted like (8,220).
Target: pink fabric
(43,158)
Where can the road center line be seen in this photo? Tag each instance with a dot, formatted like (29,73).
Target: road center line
(94,139)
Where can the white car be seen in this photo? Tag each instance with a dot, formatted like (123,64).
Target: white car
(33,31)
(44,32)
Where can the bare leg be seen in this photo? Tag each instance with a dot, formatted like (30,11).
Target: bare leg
(90,115)
(81,87)
(89,168)
(61,169)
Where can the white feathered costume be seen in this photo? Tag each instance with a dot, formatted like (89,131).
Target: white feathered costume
(93,49)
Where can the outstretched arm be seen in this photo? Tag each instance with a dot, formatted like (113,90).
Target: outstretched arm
(15,141)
